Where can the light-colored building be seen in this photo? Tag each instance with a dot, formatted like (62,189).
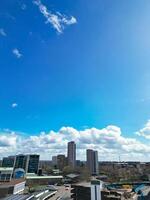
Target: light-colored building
(6,174)
(71,156)
(92,161)
(33,179)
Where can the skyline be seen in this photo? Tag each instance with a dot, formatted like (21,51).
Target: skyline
(74,69)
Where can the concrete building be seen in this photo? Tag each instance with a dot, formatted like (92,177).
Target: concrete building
(54,160)
(92,191)
(8,161)
(71,154)
(92,161)
(61,161)
(12,187)
(6,174)
(32,179)
(96,188)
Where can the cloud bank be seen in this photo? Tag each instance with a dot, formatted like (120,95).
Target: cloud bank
(57,20)
(109,142)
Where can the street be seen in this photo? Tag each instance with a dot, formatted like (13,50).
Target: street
(63,193)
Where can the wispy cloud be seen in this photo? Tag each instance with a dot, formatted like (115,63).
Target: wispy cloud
(2,32)
(57,20)
(23,6)
(14,105)
(145,131)
(17,53)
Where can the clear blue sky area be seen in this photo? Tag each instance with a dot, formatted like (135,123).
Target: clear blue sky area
(95,73)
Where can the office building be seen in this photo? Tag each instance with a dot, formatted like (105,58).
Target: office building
(30,163)
(33,163)
(61,161)
(8,161)
(21,162)
(92,161)
(71,154)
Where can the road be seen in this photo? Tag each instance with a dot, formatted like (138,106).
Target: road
(62,194)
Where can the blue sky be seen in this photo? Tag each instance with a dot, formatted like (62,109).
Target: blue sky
(95,72)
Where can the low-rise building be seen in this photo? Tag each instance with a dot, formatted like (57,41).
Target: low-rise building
(11,188)
(32,180)
(6,174)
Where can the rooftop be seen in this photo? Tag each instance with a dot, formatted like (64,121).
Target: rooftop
(6,168)
(43,177)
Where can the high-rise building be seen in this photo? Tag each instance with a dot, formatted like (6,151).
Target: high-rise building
(30,163)
(21,162)
(71,154)
(92,161)
(8,161)
(61,161)
(54,160)
(33,163)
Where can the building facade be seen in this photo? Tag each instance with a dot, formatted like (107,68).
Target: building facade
(33,163)
(21,162)
(30,163)
(71,155)
(8,161)
(61,161)
(92,161)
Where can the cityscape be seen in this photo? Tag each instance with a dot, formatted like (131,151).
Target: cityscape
(25,177)
(74,100)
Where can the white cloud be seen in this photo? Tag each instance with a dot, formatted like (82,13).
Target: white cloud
(2,32)
(57,20)
(109,142)
(145,132)
(14,105)
(17,53)
(23,6)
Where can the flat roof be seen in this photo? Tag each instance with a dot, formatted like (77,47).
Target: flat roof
(6,168)
(44,177)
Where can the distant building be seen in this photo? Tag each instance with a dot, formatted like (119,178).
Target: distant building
(61,161)
(8,161)
(33,163)
(71,154)
(54,160)
(92,161)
